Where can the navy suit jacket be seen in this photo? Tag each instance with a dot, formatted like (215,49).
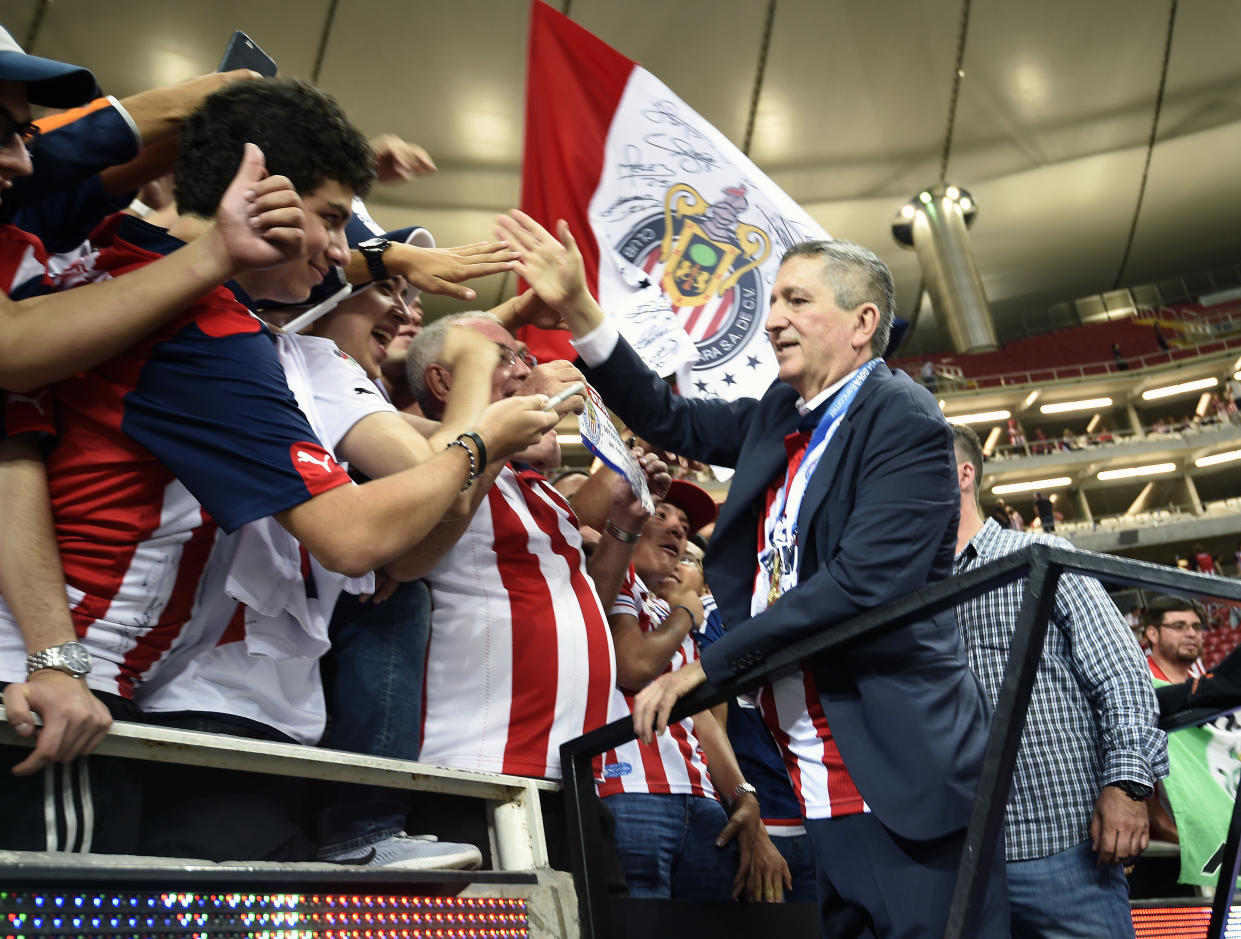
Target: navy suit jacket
(878,521)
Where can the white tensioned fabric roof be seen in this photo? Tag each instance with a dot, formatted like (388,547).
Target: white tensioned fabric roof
(1051,133)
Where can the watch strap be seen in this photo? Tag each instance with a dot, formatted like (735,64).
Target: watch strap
(1138,792)
(55,657)
(737,793)
(372,252)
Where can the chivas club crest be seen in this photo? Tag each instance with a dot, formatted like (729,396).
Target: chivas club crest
(700,261)
(706,260)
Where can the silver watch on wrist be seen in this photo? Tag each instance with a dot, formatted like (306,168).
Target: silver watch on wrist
(741,788)
(71,657)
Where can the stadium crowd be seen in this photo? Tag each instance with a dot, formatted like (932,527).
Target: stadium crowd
(244,489)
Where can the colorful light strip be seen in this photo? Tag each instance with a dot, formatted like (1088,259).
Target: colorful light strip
(262,915)
(1181,922)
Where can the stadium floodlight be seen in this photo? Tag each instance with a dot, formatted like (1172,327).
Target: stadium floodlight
(1168,391)
(1216,458)
(980,417)
(1034,485)
(1132,472)
(1086,404)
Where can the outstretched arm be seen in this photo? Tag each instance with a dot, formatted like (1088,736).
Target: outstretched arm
(437,270)
(45,339)
(355,529)
(706,429)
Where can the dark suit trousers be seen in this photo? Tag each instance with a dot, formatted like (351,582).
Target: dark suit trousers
(873,883)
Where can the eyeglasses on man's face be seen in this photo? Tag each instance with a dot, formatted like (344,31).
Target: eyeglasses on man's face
(1182,626)
(509,357)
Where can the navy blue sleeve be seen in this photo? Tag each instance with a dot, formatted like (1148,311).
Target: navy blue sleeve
(706,429)
(63,220)
(71,153)
(216,410)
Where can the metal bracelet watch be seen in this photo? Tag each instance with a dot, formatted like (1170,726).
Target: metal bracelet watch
(741,788)
(1138,792)
(373,253)
(70,657)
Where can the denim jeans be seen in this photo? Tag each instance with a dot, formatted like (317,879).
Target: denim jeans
(799,854)
(667,845)
(1069,895)
(374,702)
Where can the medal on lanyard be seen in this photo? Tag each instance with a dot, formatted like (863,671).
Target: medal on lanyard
(773,591)
(782,538)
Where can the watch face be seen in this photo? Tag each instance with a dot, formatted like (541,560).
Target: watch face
(374,245)
(76,657)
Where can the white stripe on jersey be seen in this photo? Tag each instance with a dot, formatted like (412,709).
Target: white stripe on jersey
(270,682)
(520,658)
(673,762)
(139,602)
(784,703)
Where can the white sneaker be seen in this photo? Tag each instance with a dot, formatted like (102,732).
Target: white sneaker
(412,853)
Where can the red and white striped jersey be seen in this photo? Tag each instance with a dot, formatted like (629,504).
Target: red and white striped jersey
(791,707)
(520,658)
(23,264)
(673,762)
(263,664)
(192,430)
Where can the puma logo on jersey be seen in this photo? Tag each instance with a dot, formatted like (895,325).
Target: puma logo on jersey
(304,457)
(35,401)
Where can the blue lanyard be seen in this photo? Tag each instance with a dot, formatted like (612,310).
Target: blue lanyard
(840,404)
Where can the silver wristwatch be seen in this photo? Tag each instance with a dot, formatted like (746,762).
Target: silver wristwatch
(68,657)
(737,793)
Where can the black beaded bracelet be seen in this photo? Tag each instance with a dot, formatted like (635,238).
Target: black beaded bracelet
(482,448)
(473,475)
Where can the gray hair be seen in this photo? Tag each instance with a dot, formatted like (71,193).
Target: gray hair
(426,348)
(856,275)
(969,448)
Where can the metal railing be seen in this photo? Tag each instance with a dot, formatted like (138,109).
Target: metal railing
(1156,434)
(1043,565)
(514,818)
(1098,369)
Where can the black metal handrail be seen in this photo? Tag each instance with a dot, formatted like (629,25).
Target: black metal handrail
(1043,565)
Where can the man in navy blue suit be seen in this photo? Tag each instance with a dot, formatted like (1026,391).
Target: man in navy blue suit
(844,498)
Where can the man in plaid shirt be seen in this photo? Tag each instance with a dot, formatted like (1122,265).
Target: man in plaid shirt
(1091,751)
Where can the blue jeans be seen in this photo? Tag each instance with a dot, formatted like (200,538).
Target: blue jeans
(799,854)
(667,845)
(375,706)
(1069,895)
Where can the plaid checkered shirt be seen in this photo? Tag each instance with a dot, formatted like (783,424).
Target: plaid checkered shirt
(1093,715)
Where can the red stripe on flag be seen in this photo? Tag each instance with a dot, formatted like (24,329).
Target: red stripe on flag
(721,311)
(573,88)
